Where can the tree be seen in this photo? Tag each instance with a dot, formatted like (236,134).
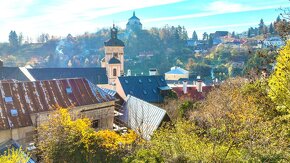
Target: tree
(75,141)
(205,36)
(271,29)
(233,34)
(20,39)
(261,27)
(210,41)
(279,81)
(13,39)
(194,36)
(14,155)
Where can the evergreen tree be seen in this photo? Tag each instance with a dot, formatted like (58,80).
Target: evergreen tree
(278,19)
(261,27)
(205,36)
(271,29)
(194,36)
(13,39)
(210,41)
(20,39)
(233,34)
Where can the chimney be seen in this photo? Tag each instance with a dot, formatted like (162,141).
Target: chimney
(184,87)
(152,71)
(129,72)
(199,84)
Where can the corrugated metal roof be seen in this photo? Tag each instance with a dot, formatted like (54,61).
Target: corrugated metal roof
(144,87)
(39,96)
(143,117)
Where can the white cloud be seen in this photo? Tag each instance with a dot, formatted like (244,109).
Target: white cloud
(62,17)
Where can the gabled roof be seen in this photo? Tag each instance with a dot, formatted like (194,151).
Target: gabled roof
(114,61)
(177,70)
(192,92)
(147,88)
(20,99)
(95,75)
(143,117)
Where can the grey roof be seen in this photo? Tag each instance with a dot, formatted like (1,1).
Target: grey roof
(114,61)
(114,42)
(10,73)
(95,75)
(147,88)
(143,117)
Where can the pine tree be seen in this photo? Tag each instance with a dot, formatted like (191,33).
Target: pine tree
(194,36)
(261,27)
(271,29)
(13,39)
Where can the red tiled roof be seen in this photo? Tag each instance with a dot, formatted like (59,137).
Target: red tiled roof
(39,96)
(192,92)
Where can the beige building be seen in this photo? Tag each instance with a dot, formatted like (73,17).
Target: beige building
(26,105)
(114,57)
(176,73)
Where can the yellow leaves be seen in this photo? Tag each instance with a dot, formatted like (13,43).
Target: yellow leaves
(14,156)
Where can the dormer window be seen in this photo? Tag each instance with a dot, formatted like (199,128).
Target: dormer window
(68,90)
(126,81)
(14,112)
(140,81)
(8,99)
(145,92)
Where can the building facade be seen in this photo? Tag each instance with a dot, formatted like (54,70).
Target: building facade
(114,56)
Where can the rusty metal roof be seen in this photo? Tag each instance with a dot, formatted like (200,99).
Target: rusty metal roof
(39,96)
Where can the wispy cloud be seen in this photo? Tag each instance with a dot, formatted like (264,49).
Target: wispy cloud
(217,8)
(33,17)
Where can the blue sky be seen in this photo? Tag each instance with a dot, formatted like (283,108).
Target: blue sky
(60,17)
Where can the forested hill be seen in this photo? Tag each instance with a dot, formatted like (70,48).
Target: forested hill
(157,47)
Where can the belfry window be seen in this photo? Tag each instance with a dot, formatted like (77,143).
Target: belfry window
(114,72)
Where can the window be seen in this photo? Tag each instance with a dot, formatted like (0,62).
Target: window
(126,81)
(8,99)
(140,81)
(68,90)
(14,112)
(114,72)
(154,90)
(145,92)
(149,80)
(95,123)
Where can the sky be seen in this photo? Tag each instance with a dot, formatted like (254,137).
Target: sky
(61,17)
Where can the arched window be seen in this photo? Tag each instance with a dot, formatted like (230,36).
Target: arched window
(114,72)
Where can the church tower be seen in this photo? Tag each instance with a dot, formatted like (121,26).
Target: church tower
(114,56)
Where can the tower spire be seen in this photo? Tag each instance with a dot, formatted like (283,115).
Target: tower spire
(133,13)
